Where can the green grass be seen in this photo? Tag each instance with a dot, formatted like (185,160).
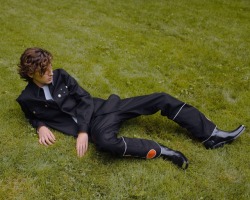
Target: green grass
(196,50)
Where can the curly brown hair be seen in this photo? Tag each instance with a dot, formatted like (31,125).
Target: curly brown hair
(32,60)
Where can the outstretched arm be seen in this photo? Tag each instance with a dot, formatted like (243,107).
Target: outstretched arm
(84,110)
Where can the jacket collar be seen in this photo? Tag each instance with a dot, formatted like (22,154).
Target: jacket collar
(36,90)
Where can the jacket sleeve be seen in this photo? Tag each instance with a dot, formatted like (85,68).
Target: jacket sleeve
(85,105)
(30,116)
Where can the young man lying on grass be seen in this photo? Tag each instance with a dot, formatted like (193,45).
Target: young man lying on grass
(53,99)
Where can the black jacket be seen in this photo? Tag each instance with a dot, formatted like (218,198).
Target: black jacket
(70,100)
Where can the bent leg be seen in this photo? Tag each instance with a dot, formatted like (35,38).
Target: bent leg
(104,131)
(183,114)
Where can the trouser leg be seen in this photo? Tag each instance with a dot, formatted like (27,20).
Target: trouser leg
(104,130)
(183,114)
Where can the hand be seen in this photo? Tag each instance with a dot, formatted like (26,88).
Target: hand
(46,137)
(82,144)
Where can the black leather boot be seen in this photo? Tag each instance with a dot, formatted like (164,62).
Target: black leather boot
(219,137)
(175,157)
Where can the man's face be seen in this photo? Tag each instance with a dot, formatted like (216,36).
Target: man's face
(42,80)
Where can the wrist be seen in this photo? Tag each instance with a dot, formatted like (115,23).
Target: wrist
(39,127)
(82,133)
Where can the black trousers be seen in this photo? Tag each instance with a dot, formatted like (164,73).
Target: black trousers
(104,128)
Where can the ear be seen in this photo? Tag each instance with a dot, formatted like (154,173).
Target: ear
(31,75)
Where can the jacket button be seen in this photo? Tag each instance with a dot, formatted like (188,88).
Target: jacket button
(46,106)
(34,112)
(59,95)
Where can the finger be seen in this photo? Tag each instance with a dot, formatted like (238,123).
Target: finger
(86,147)
(47,140)
(50,139)
(42,142)
(52,136)
(79,150)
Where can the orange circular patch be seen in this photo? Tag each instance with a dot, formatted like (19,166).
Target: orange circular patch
(151,154)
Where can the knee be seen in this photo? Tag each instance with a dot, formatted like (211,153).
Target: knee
(168,98)
(102,143)
(163,97)
(112,145)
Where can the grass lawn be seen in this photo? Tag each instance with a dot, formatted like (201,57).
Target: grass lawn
(196,50)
